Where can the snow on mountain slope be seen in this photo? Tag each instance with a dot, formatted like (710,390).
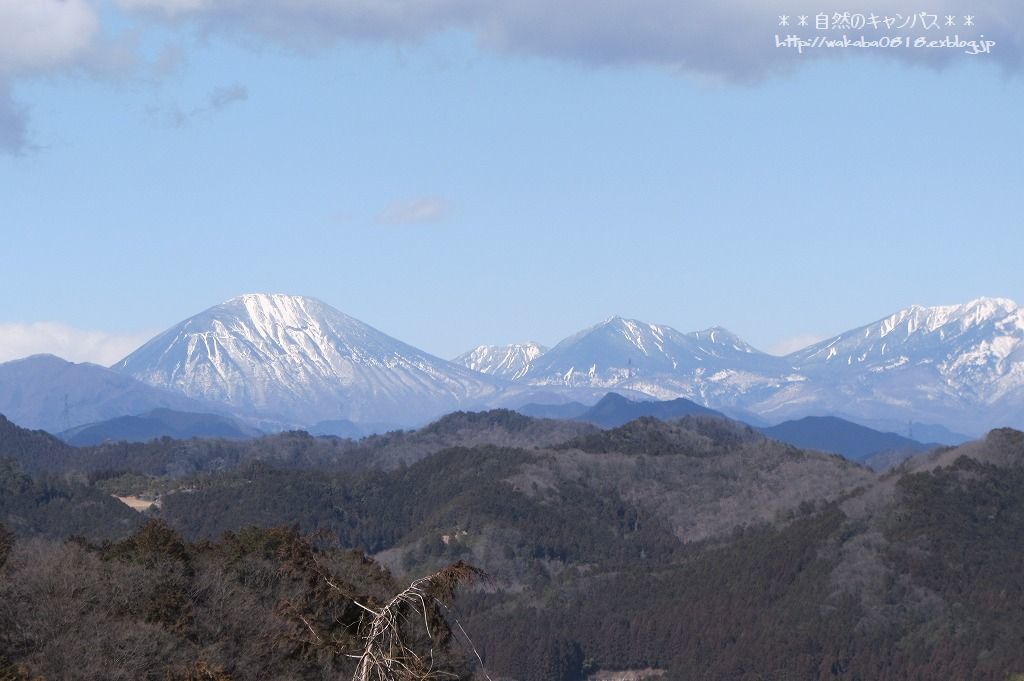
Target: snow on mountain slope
(505,361)
(960,365)
(709,367)
(976,344)
(300,361)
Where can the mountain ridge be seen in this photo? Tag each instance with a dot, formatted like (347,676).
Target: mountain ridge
(280,361)
(958,365)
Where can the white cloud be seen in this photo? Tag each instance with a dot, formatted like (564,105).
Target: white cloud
(169,7)
(19,340)
(41,38)
(794,343)
(427,209)
(732,40)
(38,35)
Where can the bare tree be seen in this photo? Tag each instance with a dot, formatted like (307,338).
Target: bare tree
(394,632)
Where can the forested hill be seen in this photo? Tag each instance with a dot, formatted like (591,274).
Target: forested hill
(697,547)
(257,604)
(37,451)
(34,450)
(703,477)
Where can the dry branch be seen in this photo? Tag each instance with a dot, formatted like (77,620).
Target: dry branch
(388,654)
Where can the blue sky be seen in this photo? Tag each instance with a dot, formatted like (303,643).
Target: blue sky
(463,181)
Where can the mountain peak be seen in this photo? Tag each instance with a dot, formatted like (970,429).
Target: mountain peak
(272,300)
(655,360)
(632,335)
(284,308)
(625,322)
(301,361)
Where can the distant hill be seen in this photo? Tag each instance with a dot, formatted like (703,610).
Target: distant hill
(158,423)
(350,429)
(497,427)
(32,450)
(568,410)
(48,392)
(922,432)
(615,410)
(833,434)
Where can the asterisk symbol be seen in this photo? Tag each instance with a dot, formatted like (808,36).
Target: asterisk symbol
(969,20)
(950,20)
(784,20)
(803,19)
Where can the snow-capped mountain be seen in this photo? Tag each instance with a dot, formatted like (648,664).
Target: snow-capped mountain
(504,361)
(977,346)
(291,361)
(960,365)
(711,367)
(299,361)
